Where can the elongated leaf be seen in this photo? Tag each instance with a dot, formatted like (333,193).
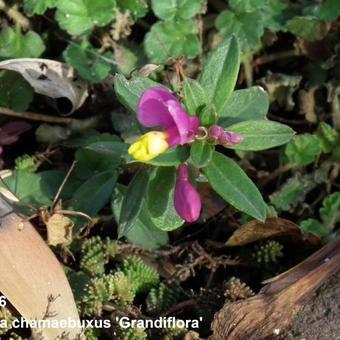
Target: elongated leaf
(246,104)
(231,182)
(220,72)
(201,153)
(208,115)
(133,201)
(143,231)
(129,91)
(160,199)
(261,134)
(94,193)
(194,96)
(173,156)
(109,148)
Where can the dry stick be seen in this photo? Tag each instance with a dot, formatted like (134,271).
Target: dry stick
(36,116)
(273,57)
(61,187)
(13,13)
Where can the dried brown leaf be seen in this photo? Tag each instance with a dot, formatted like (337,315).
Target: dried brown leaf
(30,274)
(212,203)
(59,230)
(273,227)
(50,78)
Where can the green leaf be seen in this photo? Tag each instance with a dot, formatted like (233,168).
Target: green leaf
(160,199)
(128,57)
(93,194)
(313,226)
(15,92)
(328,137)
(37,189)
(88,62)
(273,14)
(172,157)
(231,182)
(143,231)
(201,153)
(247,104)
(330,211)
(137,8)
(91,162)
(81,16)
(292,192)
(14,44)
(247,5)
(38,6)
(130,91)
(261,134)
(308,28)
(194,96)
(208,115)
(172,39)
(110,148)
(133,201)
(247,27)
(303,149)
(220,73)
(329,10)
(179,9)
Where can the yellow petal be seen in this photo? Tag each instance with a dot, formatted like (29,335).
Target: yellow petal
(149,146)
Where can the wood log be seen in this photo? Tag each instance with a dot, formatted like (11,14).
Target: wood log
(273,308)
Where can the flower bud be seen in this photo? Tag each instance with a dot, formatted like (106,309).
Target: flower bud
(214,132)
(187,199)
(229,138)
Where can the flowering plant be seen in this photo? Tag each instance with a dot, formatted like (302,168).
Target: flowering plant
(184,143)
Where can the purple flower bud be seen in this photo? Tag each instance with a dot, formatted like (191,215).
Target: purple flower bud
(214,132)
(229,138)
(187,199)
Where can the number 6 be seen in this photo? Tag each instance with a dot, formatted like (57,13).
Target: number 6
(2,301)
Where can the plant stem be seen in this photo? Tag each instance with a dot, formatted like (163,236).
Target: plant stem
(36,116)
(13,13)
(248,68)
(273,57)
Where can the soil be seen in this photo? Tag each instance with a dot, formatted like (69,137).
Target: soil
(319,319)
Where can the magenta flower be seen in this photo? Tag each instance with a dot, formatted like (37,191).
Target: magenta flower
(158,107)
(187,199)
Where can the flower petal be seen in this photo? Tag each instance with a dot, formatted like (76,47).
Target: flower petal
(152,109)
(187,199)
(186,125)
(158,107)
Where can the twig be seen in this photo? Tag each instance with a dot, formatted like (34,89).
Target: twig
(132,248)
(179,307)
(265,59)
(276,173)
(36,116)
(61,187)
(13,13)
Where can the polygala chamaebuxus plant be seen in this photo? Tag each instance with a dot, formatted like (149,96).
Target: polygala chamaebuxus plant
(185,130)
